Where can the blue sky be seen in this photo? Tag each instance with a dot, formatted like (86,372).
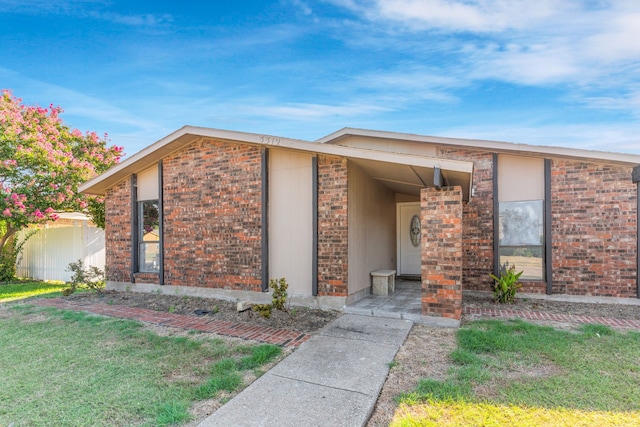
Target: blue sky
(547,72)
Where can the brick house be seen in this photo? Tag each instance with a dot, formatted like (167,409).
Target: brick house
(212,212)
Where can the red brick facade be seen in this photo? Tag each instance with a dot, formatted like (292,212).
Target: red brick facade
(593,227)
(213,226)
(477,219)
(442,252)
(594,220)
(212,216)
(118,232)
(333,230)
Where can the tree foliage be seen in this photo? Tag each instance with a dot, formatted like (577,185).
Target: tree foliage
(42,163)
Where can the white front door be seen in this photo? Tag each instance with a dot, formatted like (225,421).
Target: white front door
(408,235)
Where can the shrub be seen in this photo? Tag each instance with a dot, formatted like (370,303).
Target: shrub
(10,255)
(506,286)
(278,299)
(8,263)
(263,310)
(92,277)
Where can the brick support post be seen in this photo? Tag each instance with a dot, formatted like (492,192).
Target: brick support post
(441,213)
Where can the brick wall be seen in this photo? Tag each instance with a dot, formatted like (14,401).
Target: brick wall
(594,229)
(332,226)
(212,204)
(442,252)
(477,219)
(118,232)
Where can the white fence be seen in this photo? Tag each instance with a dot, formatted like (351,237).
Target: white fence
(48,252)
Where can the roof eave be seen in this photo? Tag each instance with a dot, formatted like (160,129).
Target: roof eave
(187,134)
(488,145)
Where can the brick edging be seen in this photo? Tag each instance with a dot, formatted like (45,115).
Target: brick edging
(555,317)
(265,334)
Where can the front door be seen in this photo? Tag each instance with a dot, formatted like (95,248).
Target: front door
(408,235)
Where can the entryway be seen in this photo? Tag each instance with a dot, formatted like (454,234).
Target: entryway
(403,303)
(408,239)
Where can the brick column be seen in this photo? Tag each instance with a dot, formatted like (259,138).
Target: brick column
(441,213)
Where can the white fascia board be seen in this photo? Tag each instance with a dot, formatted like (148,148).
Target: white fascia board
(336,150)
(497,146)
(188,134)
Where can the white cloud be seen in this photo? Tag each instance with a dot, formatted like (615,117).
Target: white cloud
(73,102)
(622,138)
(95,9)
(139,20)
(519,41)
(298,111)
(410,83)
(454,15)
(302,6)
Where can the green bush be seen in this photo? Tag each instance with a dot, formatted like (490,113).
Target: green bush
(278,299)
(8,258)
(506,286)
(92,277)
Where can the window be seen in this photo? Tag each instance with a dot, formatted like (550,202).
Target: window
(149,236)
(521,215)
(521,237)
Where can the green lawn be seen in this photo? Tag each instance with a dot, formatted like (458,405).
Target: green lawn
(516,373)
(20,290)
(62,368)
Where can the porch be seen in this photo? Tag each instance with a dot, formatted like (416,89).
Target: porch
(404,303)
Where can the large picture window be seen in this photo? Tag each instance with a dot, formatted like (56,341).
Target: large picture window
(522,237)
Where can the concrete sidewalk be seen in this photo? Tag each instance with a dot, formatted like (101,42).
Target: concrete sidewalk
(333,379)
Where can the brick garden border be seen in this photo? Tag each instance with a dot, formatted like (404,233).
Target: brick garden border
(555,317)
(265,334)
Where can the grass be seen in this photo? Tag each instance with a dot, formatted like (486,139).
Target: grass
(517,373)
(66,368)
(12,291)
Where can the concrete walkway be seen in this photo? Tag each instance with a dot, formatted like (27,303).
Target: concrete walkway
(333,379)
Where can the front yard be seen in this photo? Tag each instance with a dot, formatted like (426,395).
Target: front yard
(505,373)
(61,368)
(67,368)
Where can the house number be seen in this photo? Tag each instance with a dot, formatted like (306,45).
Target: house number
(270,140)
(414,230)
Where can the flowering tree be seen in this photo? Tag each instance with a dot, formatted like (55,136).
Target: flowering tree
(42,162)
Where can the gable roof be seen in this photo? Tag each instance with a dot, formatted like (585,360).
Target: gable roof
(400,172)
(403,173)
(487,145)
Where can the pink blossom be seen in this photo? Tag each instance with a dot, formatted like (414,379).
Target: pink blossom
(6,212)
